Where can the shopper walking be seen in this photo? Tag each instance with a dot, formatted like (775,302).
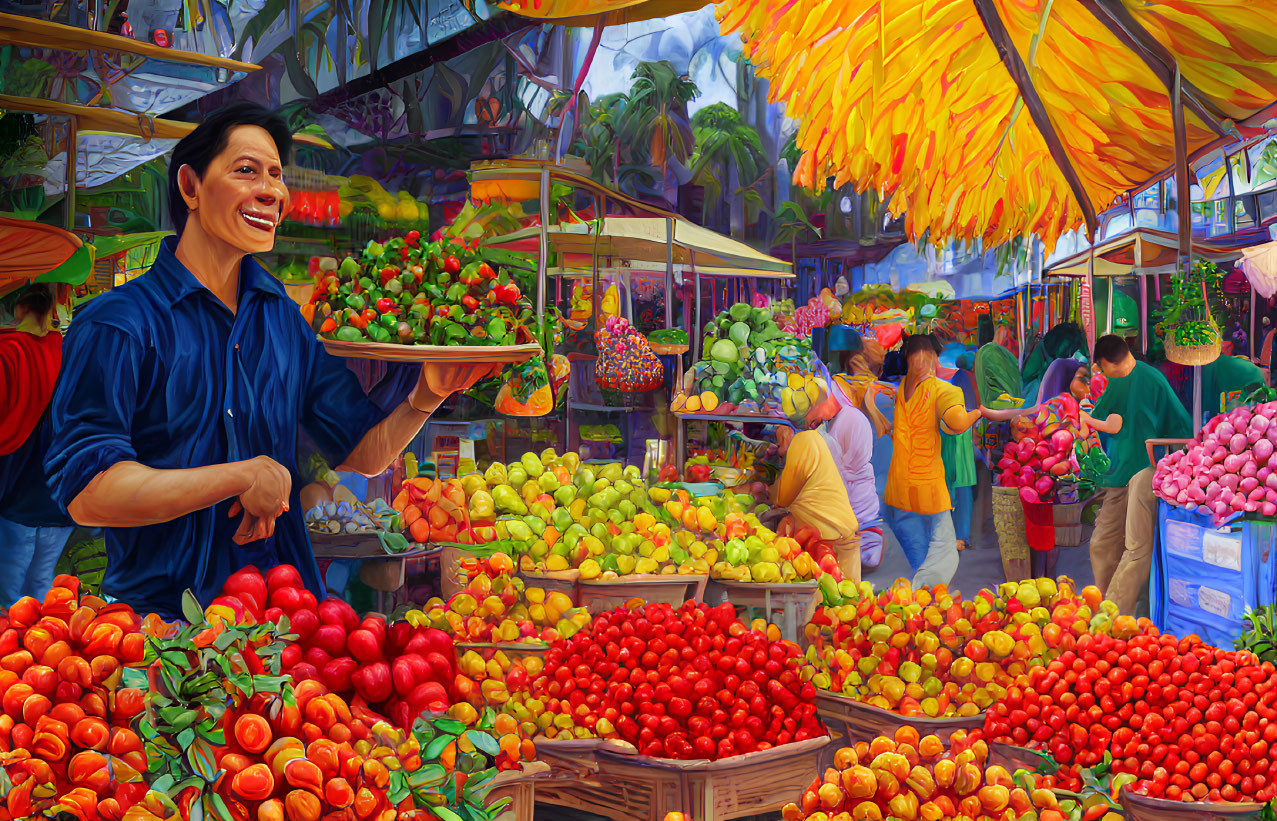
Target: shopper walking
(33,530)
(918,507)
(1137,405)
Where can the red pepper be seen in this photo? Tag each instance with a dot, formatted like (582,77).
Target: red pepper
(413,238)
(368,315)
(388,273)
(508,293)
(403,252)
(485,271)
(385,304)
(469,302)
(452,265)
(442,310)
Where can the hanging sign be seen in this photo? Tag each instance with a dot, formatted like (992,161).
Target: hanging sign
(1088,305)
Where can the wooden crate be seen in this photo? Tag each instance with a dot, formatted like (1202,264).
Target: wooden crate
(858,721)
(630,787)
(569,759)
(795,602)
(1143,808)
(520,787)
(562,581)
(600,596)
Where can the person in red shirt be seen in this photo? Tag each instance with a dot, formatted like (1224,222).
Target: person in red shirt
(33,529)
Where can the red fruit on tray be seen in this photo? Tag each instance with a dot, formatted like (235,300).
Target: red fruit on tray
(364,646)
(283,575)
(333,610)
(331,638)
(249,581)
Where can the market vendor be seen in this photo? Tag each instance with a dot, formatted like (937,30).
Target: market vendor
(918,506)
(811,489)
(176,419)
(1138,404)
(1226,383)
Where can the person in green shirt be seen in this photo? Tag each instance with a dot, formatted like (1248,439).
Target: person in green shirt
(1137,405)
(1227,381)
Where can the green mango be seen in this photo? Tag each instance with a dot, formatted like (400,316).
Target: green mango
(829,590)
(615,517)
(563,547)
(608,562)
(612,471)
(535,524)
(565,495)
(627,509)
(549,458)
(633,474)
(584,480)
(598,500)
(540,512)
(622,487)
(519,530)
(508,501)
(532,465)
(548,482)
(561,519)
(678,554)
(600,532)
(516,476)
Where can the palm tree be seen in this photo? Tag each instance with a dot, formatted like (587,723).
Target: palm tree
(726,148)
(792,222)
(656,116)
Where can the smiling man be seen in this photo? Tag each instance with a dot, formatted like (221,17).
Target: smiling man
(176,419)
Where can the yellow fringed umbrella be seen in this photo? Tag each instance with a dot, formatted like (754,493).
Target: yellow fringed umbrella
(588,13)
(989,119)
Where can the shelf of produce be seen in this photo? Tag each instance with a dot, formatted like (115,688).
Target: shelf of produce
(600,596)
(858,721)
(1136,807)
(455,354)
(631,787)
(520,787)
(795,601)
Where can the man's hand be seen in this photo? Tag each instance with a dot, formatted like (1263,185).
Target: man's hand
(439,380)
(265,499)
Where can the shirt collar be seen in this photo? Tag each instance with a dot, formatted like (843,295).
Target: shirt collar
(177,282)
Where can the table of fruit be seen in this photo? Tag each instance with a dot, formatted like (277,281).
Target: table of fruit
(1032,700)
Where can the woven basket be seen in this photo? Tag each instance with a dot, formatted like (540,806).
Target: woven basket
(1068,523)
(1008,521)
(1143,808)
(1192,354)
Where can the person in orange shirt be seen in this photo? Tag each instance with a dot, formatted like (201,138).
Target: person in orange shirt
(918,507)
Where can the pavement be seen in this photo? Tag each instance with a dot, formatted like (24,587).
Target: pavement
(980,565)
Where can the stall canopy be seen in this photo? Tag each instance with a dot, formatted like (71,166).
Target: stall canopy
(1143,251)
(647,239)
(995,118)
(35,252)
(588,13)
(1259,264)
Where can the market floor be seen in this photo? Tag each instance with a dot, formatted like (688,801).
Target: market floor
(980,565)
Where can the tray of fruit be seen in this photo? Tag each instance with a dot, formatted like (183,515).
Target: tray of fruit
(863,721)
(412,301)
(1137,807)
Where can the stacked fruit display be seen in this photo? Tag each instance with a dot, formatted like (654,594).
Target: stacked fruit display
(491,681)
(1179,719)
(437,511)
(738,371)
(626,361)
(926,652)
(409,292)
(66,735)
(907,777)
(687,683)
(1042,454)
(1228,468)
(496,607)
(399,670)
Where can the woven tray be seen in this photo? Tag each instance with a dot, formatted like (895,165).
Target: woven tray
(670,349)
(1143,808)
(1008,521)
(460,354)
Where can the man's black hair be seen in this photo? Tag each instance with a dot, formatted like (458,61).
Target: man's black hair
(37,299)
(1111,348)
(919,342)
(209,138)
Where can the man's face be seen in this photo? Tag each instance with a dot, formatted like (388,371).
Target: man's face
(242,196)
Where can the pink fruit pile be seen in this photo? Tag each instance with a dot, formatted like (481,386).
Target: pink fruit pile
(1043,453)
(398,670)
(1228,468)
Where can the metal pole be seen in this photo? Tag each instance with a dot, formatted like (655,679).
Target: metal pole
(1182,194)
(1143,314)
(1197,396)
(669,272)
(543,256)
(73,157)
(1108,328)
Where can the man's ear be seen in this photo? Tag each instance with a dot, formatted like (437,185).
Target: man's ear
(188,184)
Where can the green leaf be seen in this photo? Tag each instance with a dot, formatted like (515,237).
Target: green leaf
(163,783)
(446,814)
(484,742)
(200,755)
(219,807)
(224,641)
(191,610)
(435,749)
(450,725)
(186,737)
(427,775)
(398,789)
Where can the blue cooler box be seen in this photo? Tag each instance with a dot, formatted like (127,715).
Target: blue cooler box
(1205,578)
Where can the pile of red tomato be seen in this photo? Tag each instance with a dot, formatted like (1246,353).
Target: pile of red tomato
(398,670)
(1182,720)
(688,683)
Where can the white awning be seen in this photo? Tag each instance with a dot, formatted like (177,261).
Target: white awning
(1259,264)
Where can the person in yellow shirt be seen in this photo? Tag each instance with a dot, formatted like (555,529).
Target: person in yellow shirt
(812,489)
(918,507)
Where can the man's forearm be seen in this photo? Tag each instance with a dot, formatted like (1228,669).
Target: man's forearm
(388,438)
(130,494)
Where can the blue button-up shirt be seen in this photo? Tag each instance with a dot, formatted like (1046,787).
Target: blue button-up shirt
(160,372)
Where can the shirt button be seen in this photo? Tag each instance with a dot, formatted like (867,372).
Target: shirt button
(228,413)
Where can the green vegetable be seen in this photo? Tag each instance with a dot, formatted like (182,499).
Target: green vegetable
(739,333)
(725,351)
(739,312)
(349,333)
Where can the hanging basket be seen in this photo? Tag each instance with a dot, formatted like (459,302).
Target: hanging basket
(1202,351)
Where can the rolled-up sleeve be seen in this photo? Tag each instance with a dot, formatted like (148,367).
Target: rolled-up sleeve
(337,414)
(92,409)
